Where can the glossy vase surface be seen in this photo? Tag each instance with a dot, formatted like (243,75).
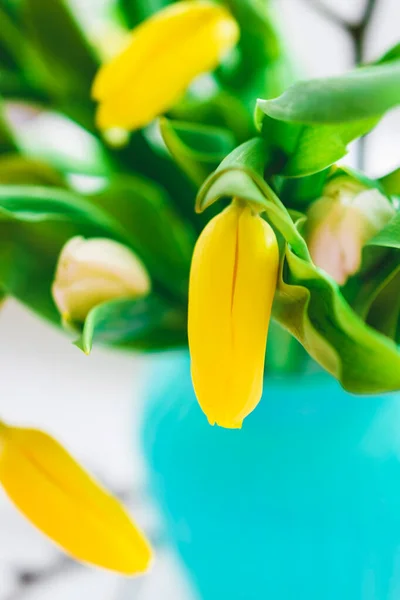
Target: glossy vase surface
(303,503)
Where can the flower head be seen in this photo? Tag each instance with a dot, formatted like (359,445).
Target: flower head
(165,54)
(341,222)
(51,489)
(93,271)
(232,284)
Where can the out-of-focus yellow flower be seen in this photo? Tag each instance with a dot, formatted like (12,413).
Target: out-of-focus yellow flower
(166,53)
(93,271)
(232,285)
(341,222)
(49,487)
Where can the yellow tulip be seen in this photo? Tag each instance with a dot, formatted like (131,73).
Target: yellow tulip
(232,284)
(165,54)
(66,504)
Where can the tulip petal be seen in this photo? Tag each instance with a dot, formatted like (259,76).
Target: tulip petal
(165,54)
(210,299)
(232,284)
(255,284)
(65,503)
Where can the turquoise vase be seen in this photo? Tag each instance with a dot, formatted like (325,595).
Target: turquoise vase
(303,503)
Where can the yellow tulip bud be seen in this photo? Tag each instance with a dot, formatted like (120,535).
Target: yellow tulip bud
(49,487)
(341,222)
(165,54)
(93,271)
(232,285)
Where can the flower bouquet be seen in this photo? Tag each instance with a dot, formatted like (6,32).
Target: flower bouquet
(166,182)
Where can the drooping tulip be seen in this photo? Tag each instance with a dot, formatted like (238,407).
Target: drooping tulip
(57,496)
(166,52)
(92,271)
(341,222)
(232,285)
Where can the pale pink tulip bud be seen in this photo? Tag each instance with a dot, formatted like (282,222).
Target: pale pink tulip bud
(341,222)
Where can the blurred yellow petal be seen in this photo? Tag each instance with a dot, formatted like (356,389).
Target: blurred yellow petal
(166,53)
(232,285)
(49,487)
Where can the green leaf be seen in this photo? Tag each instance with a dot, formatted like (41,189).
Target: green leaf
(310,305)
(391,182)
(310,125)
(155,232)
(143,157)
(384,312)
(298,193)
(197,149)
(241,175)
(320,146)
(259,40)
(136,11)
(223,110)
(261,66)
(16,169)
(12,42)
(365,93)
(66,55)
(362,289)
(144,323)
(35,204)
(392,54)
(389,236)
(35,223)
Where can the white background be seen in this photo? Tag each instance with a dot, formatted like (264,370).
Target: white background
(92,404)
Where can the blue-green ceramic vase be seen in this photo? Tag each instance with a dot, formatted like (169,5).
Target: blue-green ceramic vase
(303,503)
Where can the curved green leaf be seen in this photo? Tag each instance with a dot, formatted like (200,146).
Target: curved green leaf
(144,323)
(389,236)
(317,147)
(197,149)
(391,182)
(384,313)
(16,170)
(310,305)
(365,93)
(391,54)
(223,110)
(310,125)
(69,61)
(261,67)
(240,175)
(136,11)
(35,223)
(35,204)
